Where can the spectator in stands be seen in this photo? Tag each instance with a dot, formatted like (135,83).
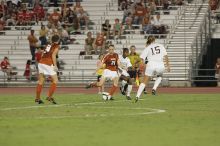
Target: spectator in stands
(43,32)
(55,18)
(27,72)
(139,13)
(146,25)
(3,9)
(39,12)
(77,8)
(158,26)
(166,4)
(213,4)
(128,22)
(11,19)
(217,69)
(2,24)
(179,2)
(152,8)
(6,67)
(32,43)
(83,18)
(64,10)
(70,17)
(89,44)
(99,43)
(65,38)
(117,29)
(127,11)
(106,27)
(45,3)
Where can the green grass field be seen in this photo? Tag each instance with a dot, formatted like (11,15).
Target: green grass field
(85,120)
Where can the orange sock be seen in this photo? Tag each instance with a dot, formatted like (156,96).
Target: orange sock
(112,90)
(38,91)
(52,89)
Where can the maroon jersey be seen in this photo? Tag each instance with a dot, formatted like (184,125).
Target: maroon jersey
(111,61)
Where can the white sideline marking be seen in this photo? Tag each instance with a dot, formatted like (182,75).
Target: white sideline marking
(58,105)
(77,105)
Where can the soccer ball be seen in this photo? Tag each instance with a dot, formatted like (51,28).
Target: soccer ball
(105,95)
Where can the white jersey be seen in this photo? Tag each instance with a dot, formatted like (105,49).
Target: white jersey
(154,52)
(125,62)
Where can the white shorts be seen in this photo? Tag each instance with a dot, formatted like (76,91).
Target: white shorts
(46,69)
(109,74)
(124,73)
(154,68)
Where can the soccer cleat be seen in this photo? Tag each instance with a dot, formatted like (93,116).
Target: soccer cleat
(50,99)
(128,97)
(136,100)
(39,101)
(153,92)
(88,86)
(110,97)
(145,92)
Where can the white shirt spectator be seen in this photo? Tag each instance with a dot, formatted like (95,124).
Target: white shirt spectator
(157,22)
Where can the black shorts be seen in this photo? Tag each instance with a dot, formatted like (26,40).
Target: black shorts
(99,77)
(133,73)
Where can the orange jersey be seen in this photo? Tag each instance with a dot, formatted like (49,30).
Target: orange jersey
(47,55)
(111,61)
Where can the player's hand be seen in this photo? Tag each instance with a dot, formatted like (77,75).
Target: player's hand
(55,68)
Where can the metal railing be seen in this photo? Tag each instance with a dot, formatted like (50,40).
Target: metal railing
(200,43)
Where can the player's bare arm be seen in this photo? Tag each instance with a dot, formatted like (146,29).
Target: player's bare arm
(54,58)
(167,63)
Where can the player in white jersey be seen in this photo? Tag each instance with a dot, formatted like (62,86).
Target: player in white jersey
(156,55)
(125,65)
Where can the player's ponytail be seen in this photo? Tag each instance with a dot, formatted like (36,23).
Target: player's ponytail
(150,39)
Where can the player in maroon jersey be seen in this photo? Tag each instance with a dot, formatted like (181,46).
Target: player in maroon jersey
(111,63)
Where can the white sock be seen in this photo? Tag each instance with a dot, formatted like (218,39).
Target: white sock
(129,90)
(140,90)
(157,82)
(123,83)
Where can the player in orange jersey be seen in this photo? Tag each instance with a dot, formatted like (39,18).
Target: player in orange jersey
(48,66)
(111,63)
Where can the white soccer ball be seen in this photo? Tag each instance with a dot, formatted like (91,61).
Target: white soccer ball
(105,95)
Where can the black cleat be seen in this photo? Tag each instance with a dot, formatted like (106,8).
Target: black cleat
(39,101)
(51,100)
(128,97)
(136,100)
(88,86)
(153,92)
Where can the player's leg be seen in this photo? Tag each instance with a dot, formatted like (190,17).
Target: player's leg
(158,80)
(129,88)
(149,71)
(52,88)
(124,84)
(142,86)
(41,79)
(113,88)
(156,84)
